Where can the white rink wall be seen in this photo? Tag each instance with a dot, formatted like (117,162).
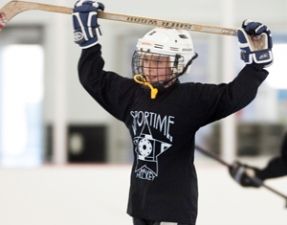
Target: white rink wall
(97,194)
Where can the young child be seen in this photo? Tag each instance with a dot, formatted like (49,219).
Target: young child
(161,113)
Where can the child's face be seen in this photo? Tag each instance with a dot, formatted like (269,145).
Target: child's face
(156,68)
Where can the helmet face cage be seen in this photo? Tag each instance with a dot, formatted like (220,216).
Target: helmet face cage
(164,53)
(155,67)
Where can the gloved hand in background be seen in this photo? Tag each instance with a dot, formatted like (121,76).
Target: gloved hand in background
(245,175)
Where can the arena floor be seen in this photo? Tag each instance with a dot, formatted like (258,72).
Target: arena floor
(97,195)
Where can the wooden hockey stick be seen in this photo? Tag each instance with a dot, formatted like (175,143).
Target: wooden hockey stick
(15,7)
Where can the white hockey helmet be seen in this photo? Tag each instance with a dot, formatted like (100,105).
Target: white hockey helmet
(171,46)
(176,44)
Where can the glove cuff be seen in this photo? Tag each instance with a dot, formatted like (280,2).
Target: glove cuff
(264,57)
(84,40)
(89,43)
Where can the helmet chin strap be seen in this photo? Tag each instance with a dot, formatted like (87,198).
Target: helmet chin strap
(140,79)
(182,72)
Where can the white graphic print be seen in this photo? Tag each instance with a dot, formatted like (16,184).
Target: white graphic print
(147,148)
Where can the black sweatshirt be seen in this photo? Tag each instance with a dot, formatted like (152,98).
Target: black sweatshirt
(163,185)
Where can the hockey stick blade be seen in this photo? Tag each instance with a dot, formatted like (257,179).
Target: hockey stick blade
(211,155)
(13,8)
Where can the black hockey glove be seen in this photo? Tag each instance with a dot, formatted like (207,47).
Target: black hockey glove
(85,21)
(245,175)
(255,42)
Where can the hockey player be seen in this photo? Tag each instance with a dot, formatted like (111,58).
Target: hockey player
(161,113)
(248,176)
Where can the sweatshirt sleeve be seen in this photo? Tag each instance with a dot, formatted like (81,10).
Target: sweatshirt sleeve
(222,100)
(112,91)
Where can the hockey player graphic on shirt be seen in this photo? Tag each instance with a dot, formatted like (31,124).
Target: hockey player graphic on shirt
(148,150)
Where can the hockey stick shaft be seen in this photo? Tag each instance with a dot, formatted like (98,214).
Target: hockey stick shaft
(15,7)
(211,155)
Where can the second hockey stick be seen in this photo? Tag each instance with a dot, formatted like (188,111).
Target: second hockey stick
(211,155)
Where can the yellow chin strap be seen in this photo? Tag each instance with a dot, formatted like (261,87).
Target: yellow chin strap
(140,79)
